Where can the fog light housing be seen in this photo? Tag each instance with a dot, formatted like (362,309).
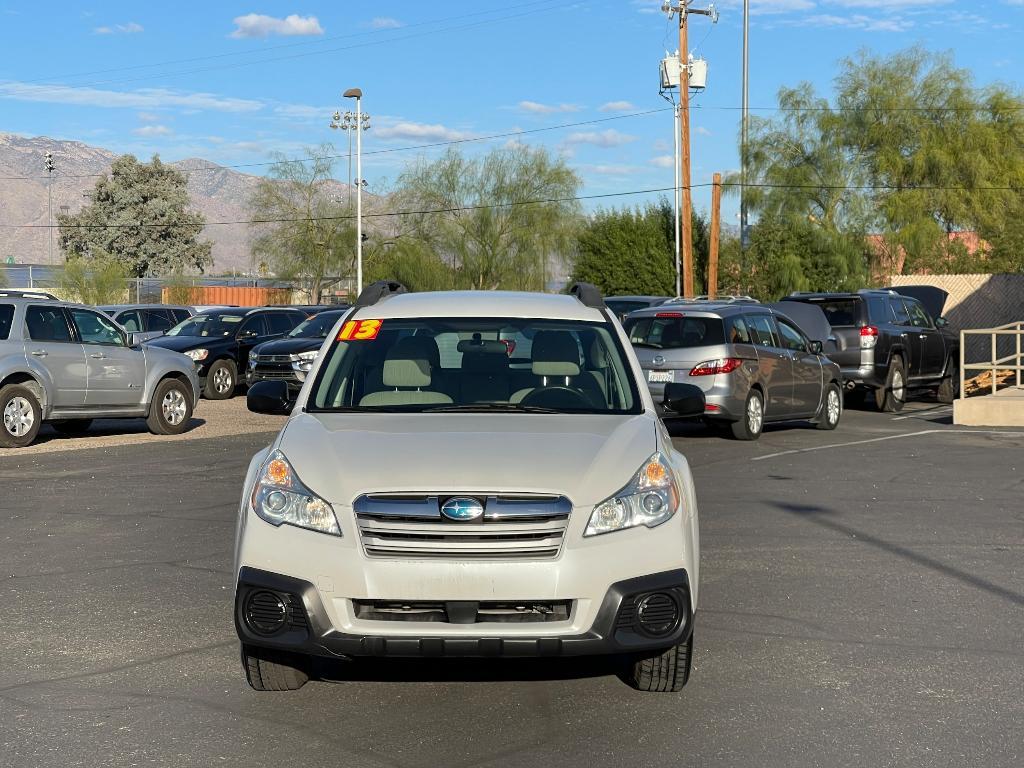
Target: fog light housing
(658,614)
(266,613)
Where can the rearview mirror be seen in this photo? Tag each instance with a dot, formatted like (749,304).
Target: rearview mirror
(683,399)
(816,347)
(270,397)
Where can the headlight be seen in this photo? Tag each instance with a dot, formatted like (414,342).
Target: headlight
(198,354)
(253,359)
(649,499)
(302,363)
(280,497)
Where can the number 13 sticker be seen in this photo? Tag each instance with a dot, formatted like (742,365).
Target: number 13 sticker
(360,330)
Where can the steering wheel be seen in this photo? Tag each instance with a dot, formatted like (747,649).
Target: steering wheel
(557,397)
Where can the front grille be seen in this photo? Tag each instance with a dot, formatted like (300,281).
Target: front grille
(485,612)
(273,358)
(268,372)
(511,527)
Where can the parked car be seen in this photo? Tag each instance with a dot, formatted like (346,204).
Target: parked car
(67,364)
(291,358)
(315,309)
(218,341)
(623,305)
(448,507)
(754,364)
(889,344)
(147,321)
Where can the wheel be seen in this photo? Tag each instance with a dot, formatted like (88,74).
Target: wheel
(269,670)
(750,426)
(221,380)
(72,426)
(893,395)
(21,414)
(665,673)
(949,389)
(171,408)
(831,409)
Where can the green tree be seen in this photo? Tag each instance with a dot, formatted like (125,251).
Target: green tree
(497,221)
(632,251)
(302,231)
(100,279)
(138,215)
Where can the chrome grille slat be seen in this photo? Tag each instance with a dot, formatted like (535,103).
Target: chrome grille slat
(410,525)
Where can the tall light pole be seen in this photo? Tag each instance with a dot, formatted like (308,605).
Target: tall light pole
(744,123)
(357,122)
(48,165)
(670,77)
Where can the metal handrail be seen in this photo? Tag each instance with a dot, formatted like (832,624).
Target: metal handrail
(994,363)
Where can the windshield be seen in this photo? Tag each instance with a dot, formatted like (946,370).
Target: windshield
(213,324)
(623,308)
(316,327)
(672,330)
(512,365)
(838,312)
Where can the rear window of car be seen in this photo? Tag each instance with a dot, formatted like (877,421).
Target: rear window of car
(621,308)
(840,312)
(675,332)
(6,318)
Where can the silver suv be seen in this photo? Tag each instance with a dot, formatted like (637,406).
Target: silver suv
(68,364)
(754,364)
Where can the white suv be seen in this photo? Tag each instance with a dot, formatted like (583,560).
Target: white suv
(469,474)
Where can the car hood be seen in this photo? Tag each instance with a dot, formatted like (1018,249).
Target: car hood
(584,457)
(288,346)
(185,343)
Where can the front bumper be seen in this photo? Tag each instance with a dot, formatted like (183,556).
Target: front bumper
(615,630)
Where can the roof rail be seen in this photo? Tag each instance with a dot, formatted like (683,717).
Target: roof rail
(13,293)
(374,292)
(588,294)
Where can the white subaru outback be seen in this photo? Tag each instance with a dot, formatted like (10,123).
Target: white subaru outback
(469,474)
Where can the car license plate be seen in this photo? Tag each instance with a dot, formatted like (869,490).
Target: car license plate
(659,377)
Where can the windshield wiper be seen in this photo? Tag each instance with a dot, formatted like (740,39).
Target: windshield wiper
(488,407)
(647,344)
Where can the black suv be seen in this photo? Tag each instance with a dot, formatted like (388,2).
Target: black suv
(291,358)
(888,343)
(219,341)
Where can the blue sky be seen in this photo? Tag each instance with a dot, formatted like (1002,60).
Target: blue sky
(232,81)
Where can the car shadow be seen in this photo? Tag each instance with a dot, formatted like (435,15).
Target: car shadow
(106,428)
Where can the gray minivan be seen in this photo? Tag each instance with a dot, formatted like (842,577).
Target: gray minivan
(754,364)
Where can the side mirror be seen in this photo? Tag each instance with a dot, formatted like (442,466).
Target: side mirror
(816,347)
(941,322)
(269,397)
(682,399)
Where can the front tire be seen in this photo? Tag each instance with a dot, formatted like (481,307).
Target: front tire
(949,389)
(750,425)
(21,416)
(831,409)
(270,670)
(221,380)
(667,672)
(891,397)
(171,408)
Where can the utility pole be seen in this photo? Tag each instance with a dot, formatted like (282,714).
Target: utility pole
(716,223)
(48,165)
(683,10)
(744,126)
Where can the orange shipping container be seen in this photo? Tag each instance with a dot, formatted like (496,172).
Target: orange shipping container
(240,295)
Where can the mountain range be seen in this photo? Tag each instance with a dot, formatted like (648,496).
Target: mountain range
(219,193)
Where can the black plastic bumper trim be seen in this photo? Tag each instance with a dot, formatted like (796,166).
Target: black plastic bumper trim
(603,638)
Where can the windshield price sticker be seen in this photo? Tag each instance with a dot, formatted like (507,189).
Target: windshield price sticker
(360,330)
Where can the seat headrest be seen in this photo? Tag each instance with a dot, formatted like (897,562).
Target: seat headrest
(555,353)
(410,362)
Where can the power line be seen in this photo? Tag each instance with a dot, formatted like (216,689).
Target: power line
(386,150)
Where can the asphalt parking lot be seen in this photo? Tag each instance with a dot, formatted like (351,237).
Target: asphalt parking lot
(862,604)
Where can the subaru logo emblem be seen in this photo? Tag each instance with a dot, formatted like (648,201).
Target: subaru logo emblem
(462,508)
(659,360)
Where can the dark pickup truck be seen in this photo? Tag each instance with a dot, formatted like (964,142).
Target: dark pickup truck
(888,343)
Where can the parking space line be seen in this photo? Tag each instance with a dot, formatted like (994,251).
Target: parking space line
(890,437)
(925,413)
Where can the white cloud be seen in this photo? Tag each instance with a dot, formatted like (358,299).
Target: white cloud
(703,131)
(409,131)
(663,161)
(150,131)
(144,98)
(604,139)
(856,21)
(536,108)
(610,169)
(616,106)
(770,7)
(119,29)
(149,117)
(262,26)
(385,22)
